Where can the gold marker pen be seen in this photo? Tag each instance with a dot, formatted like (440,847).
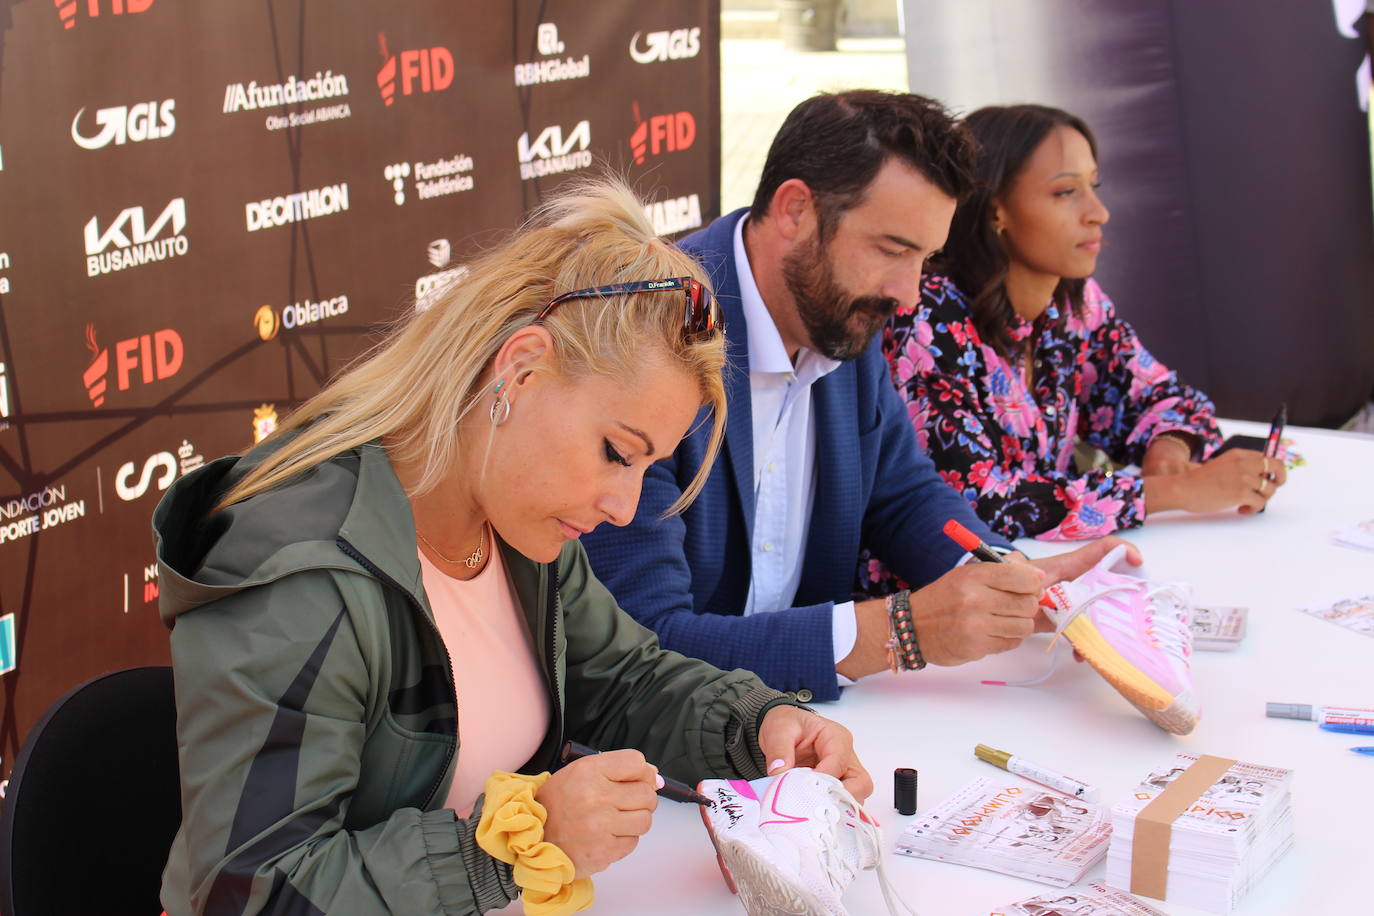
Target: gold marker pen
(1035,773)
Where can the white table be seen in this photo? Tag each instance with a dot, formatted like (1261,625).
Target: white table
(1076,723)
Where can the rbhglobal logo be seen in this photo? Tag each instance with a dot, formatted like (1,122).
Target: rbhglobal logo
(293,208)
(550,153)
(551,71)
(129,241)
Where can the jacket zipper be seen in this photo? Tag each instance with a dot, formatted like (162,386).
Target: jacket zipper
(448,660)
(555,612)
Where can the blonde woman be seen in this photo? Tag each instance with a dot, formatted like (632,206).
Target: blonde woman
(386,602)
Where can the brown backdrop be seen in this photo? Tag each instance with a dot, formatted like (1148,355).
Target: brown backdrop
(207,208)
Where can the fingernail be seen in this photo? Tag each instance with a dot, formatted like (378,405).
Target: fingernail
(658,780)
(776,765)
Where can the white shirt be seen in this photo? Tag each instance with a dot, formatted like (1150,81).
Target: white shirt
(784,459)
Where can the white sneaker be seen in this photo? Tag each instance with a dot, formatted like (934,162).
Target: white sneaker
(791,845)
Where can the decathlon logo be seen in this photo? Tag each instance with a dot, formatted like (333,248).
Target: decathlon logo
(674,214)
(293,208)
(551,153)
(128,124)
(67,9)
(677,44)
(661,134)
(533,73)
(416,70)
(135,242)
(156,356)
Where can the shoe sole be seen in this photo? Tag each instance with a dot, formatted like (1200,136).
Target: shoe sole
(1159,706)
(757,883)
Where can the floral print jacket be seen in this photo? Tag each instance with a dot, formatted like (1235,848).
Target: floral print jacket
(1008,449)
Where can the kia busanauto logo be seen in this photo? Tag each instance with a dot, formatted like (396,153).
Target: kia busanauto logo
(134,241)
(127,124)
(550,152)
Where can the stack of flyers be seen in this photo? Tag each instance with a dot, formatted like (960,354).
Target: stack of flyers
(1222,843)
(1354,613)
(1218,629)
(1360,535)
(1089,900)
(1016,829)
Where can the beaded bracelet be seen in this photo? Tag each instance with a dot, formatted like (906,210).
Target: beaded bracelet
(902,649)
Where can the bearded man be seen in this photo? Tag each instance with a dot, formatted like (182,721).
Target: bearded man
(819,457)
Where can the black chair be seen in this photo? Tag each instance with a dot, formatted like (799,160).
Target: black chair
(94,801)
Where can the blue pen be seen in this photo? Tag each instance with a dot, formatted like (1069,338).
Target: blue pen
(1364,750)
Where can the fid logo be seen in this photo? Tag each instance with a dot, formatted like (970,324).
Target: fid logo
(432,67)
(67,11)
(125,124)
(665,133)
(157,356)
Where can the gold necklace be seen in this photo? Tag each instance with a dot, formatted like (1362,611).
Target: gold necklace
(473,559)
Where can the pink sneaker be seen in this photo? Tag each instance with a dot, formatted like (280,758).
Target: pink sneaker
(792,844)
(1135,634)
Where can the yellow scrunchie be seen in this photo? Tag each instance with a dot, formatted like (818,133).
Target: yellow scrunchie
(512,829)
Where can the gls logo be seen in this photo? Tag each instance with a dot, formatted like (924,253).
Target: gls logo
(157,356)
(551,152)
(665,133)
(67,11)
(128,123)
(141,244)
(678,44)
(433,67)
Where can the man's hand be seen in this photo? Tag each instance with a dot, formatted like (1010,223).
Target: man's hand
(599,807)
(975,610)
(790,737)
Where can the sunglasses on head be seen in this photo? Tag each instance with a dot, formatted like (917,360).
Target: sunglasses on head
(700,319)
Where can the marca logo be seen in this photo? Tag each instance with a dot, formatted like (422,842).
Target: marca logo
(432,179)
(67,9)
(297,315)
(677,44)
(665,133)
(674,214)
(551,152)
(128,124)
(551,71)
(156,356)
(432,68)
(136,243)
(303,205)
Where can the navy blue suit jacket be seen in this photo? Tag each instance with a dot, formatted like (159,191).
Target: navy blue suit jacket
(687,577)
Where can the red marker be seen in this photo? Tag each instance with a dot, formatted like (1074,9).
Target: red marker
(971,542)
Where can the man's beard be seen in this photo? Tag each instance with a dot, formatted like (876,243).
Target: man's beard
(839,324)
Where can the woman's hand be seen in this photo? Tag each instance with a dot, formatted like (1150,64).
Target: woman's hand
(1241,477)
(599,807)
(790,737)
(1167,454)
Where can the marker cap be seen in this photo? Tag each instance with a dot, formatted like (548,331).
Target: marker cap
(904,790)
(992,755)
(1289,711)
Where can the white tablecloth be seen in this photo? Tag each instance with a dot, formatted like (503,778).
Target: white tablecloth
(1076,723)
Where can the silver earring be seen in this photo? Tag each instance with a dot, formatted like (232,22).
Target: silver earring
(500,408)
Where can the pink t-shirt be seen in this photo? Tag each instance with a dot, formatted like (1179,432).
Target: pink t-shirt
(503,700)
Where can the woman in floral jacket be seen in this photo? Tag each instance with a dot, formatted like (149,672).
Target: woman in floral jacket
(1014,354)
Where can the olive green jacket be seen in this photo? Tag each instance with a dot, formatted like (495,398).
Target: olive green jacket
(316,713)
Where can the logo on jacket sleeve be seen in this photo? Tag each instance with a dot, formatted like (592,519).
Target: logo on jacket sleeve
(417,70)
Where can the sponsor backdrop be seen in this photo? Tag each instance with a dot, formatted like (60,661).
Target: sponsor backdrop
(208,208)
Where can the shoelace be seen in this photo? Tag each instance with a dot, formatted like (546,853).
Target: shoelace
(1168,630)
(868,832)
